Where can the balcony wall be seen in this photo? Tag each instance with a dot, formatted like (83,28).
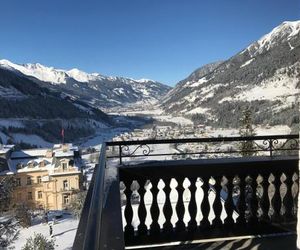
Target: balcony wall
(168,204)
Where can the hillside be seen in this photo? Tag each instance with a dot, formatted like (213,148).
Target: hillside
(264,76)
(43,112)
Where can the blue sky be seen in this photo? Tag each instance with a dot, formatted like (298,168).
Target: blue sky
(164,40)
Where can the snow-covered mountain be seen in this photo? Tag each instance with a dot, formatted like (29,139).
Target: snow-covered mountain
(46,74)
(264,76)
(96,89)
(32,110)
(283,33)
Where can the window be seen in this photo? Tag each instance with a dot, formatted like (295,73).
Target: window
(29,180)
(66,199)
(65,166)
(18,182)
(65,184)
(39,179)
(29,196)
(40,195)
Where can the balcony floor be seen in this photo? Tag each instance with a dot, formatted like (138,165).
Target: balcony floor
(287,242)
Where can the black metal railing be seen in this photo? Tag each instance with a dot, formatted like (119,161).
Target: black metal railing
(174,201)
(211,147)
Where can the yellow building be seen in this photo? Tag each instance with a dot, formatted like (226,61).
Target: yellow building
(46,178)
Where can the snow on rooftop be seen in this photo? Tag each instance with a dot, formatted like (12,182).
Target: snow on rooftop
(5,148)
(64,153)
(27,153)
(64,150)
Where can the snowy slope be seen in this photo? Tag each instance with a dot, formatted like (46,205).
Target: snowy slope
(285,31)
(32,114)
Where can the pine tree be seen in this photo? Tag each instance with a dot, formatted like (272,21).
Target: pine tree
(77,203)
(7,184)
(39,242)
(23,215)
(246,129)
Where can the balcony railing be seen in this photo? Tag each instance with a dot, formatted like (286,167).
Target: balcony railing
(146,203)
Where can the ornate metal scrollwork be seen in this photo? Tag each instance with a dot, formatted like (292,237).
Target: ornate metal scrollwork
(275,145)
(267,145)
(126,150)
(290,143)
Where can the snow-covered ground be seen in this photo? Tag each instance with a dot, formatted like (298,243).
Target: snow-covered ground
(175,119)
(101,136)
(64,232)
(259,130)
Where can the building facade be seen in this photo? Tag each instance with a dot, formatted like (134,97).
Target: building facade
(46,178)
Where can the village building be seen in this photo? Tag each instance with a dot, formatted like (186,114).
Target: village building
(45,178)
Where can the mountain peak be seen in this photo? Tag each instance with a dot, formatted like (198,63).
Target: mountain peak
(6,63)
(82,76)
(39,71)
(283,32)
(144,80)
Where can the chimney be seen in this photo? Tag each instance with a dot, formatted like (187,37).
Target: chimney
(65,147)
(49,153)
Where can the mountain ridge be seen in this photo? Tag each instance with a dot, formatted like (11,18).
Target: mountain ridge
(95,89)
(265,76)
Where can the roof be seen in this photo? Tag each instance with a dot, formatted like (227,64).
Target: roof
(29,153)
(5,148)
(64,150)
(64,153)
(25,161)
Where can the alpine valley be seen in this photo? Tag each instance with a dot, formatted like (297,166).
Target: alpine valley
(37,100)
